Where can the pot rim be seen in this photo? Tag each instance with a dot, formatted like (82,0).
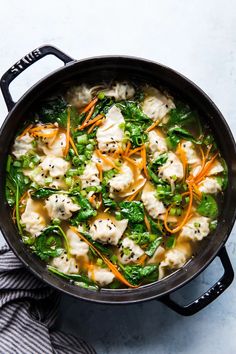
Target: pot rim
(67,288)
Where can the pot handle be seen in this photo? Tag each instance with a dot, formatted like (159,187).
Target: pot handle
(23,64)
(216,290)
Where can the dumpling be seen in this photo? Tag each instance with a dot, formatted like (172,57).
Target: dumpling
(33,221)
(196,228)
(158,256)
(190,152)
(174,259)
(129,251)
(22,146)
(55,166)
(120,91)
(102,276)
(107,230)
(110,134)
(96,159)
(60,206)
(56,148)
(65,264)
(77,247)
(172,169)
(153,206)
(121,181)
(81,95)
(216,168)
(209,185)
(41,177)
(90,177)
(157,143)
(156,105)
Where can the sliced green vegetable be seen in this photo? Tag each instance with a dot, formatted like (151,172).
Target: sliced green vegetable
(153,246)
(136,274)
(170,242)
(78,279)
(85,212)
(133,211)
(208,206)
(50,243)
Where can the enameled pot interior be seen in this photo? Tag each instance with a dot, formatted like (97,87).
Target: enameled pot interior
(96,70)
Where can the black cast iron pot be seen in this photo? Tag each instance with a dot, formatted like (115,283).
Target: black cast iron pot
(119,68)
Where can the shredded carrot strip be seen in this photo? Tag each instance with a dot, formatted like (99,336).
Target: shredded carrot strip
(25,131)
(132,196)
(127,148)
(99,167)
(67,133)
(197,191)
(182,156)
(152,126)
(90,105)
(134,151)
(45,135)
(142,259)
(130,160)
(92,199)
(89,115)
(147,223)
(183,222)
(203,156)
(118,152)
(144,162)
(98,117)
(110,265)
(105,159)
(99,122)
(206,169)
(73,146)
(43,126)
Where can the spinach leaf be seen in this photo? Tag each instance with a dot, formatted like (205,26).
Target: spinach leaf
(132,112)
(152,168)
(136,274)
(133,211)
(181,115)
(103,106)
(136,122)
(223,179)
(170,242)
(78,279)
(50,243)
(85,212)
(107,251)
(208,206)
(136,133)
(176,134)
(43,193)
(16,185)
(153,246)
(161,160)
(107,201)
(157,229)
(154,177)
(140,238)
(55,109)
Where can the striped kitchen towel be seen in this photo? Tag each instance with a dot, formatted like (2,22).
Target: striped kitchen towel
(28,309)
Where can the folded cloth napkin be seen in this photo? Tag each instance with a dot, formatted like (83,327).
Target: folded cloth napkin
(28,309)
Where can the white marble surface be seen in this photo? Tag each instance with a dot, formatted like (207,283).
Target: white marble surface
(196,37)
